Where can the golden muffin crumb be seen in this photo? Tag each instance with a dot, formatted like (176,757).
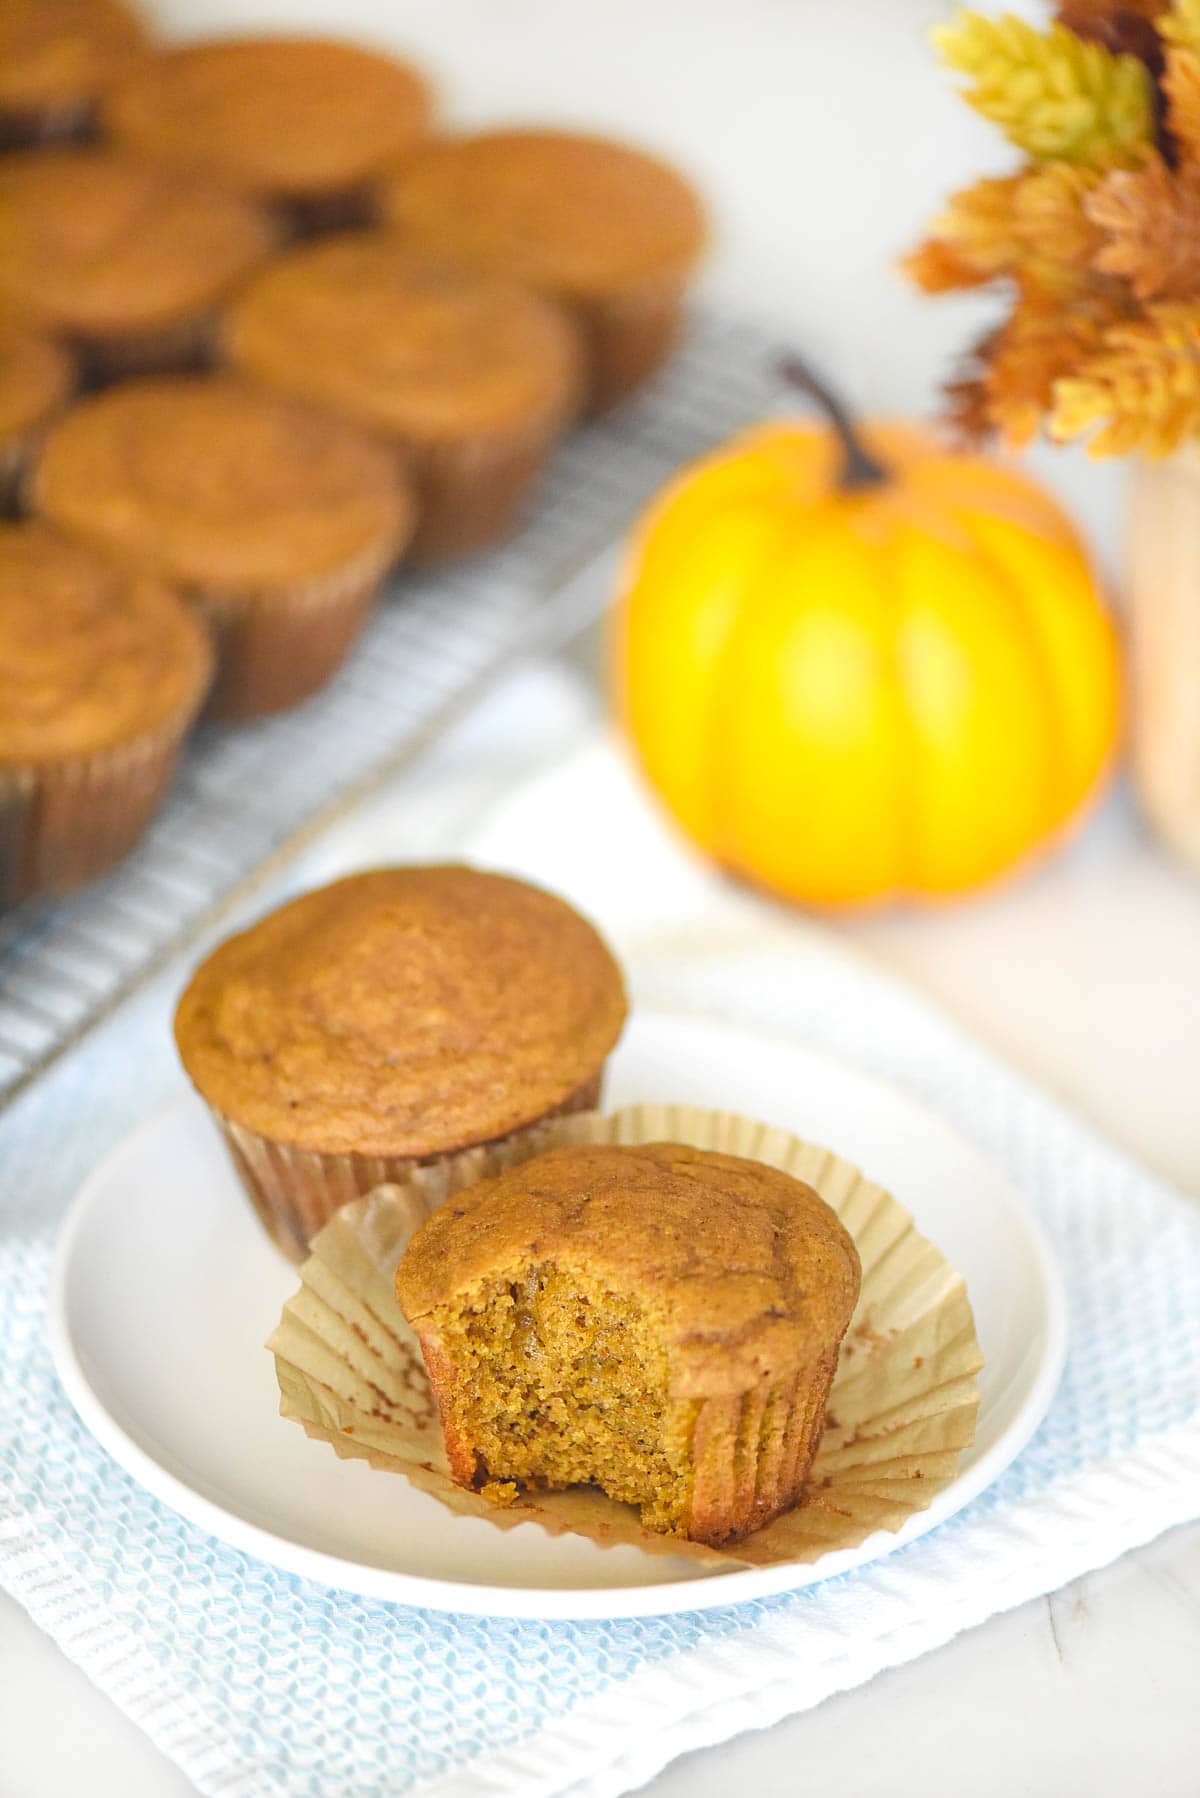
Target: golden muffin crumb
(660,1321)
(402,1012)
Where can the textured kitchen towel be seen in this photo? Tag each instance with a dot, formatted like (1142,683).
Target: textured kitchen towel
(265,1686)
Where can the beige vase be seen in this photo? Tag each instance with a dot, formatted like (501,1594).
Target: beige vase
(1164,595)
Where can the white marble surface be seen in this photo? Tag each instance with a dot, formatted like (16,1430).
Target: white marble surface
(824,136)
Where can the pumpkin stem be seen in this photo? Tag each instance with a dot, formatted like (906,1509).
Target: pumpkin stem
(859,467)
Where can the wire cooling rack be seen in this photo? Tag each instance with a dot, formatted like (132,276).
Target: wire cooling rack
(249,797)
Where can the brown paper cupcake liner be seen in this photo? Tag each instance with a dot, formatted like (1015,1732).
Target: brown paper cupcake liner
(275,649)
(296,1191)
(19,452)
(472,493)
(901,1407)
(16,459)
(628,337)
(65,822)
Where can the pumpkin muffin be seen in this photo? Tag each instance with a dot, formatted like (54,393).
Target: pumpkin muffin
(55,56)
(609,232)
(36,379)
(101,673)
(392,1020)
(660,1321)
(471,377)
(304,123)
(126,263)
(277,522)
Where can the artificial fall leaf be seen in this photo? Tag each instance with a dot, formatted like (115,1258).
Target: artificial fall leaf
(1033,225)
(1181,85)
(977,225)
(1030,353)
(1180,24)
(1151,220)
(1140,390)
(1050,215)
(1052,94)
(937,268)
(1099,20)
(967,409)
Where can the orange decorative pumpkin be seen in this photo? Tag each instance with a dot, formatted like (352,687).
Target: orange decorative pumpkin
(860,667)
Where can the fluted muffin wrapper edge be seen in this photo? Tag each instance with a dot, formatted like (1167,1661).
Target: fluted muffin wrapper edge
(297,1191)
(68,820)
(901,1408)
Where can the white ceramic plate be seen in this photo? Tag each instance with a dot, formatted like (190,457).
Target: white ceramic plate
(165,1289)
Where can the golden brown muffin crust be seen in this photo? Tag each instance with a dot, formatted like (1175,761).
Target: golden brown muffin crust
(36,377)
(96,244)
(271,115)
(56,52)
(571,214)
(407,345)
(90,656)
(215,484)
(404,1011)
(746,1265)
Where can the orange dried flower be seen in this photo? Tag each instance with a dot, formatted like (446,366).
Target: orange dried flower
(1181,86)
(1151,221)
(1140,391)
(1097,236)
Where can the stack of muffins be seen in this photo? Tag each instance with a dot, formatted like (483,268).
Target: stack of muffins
(264,336)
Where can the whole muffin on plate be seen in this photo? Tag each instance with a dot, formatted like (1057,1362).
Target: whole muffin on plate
(611,233)
(304,123)
(660,1321)
(36,380)
(470,376)
(55,56)
(394,1019)
(127,263)
(276,521)
(101,673)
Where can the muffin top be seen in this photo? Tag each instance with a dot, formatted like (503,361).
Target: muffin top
(90,654)
(407,345)
(574,215)
(92,242)
(748,1271)
(404,1011)
(271,115)
(54,53)
(36,377)
(213,484)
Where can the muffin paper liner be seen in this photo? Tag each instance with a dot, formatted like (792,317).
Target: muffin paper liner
(65,822)
(16,458)
(296,1191)
(275,649)
(901,1408)
(628,337)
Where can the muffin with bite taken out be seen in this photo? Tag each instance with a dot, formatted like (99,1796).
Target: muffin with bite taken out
(660,1321)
